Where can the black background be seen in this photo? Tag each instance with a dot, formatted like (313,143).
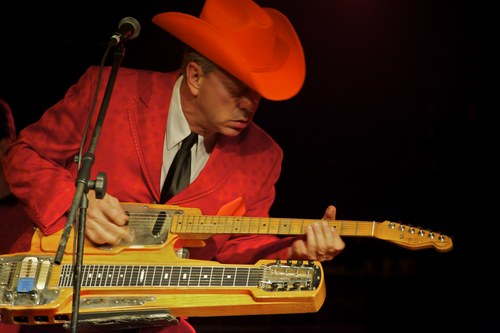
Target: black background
(386,128)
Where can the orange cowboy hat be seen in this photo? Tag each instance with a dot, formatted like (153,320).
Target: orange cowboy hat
(259,46)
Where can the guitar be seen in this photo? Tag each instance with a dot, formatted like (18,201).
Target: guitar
(189,223)
(147,283)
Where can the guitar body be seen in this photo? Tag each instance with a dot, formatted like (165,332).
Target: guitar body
(145,281)
(148,277)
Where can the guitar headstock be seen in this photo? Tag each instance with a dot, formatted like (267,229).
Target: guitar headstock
(413,238)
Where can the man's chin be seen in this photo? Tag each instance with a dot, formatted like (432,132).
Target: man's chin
(231,131)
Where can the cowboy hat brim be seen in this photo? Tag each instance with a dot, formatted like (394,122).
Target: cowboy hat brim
(281,79)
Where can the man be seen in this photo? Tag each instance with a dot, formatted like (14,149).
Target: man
(237,53)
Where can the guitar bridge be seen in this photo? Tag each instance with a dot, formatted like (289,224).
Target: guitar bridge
(289,276)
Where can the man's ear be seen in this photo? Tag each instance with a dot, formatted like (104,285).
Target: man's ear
(194,77)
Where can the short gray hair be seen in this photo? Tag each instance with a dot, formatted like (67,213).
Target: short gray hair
(192,55)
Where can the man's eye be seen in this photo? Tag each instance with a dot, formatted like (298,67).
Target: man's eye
(236,92)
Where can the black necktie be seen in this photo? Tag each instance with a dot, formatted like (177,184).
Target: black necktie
(179,174)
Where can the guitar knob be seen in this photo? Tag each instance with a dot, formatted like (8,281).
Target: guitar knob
(33,295)
(8,296)
(300,262)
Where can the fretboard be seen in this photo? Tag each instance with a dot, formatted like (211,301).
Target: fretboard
(166,276)
(196,224)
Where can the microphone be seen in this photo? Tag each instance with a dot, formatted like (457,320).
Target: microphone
(128,28)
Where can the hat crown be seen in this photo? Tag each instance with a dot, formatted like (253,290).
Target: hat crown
(258,46)
(245,25)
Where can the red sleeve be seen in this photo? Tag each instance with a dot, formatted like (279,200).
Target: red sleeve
(40,167)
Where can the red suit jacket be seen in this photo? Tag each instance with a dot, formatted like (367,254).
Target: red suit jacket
(41,171)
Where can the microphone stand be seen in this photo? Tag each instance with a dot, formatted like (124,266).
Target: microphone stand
(83,185)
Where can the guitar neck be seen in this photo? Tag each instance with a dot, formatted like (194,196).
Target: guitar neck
(197,224)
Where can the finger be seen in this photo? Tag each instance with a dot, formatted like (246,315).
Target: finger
(311,239)
(107,233)
(321,236)
(113,210)
(330,213)
(338,242)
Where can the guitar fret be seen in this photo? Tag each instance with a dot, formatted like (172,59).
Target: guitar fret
(187,224)
(90,275)
(206,276)
(149,276)
(131,275)
(194,279)
(184,276)
(65,274)
(111,272)
(255,276)
(137,276)
(154,278)
(123,275)
(216,227)
(160,278)
(98,276)
(284,227)
(101,275)
(228,276)
(168,275)
(143,276)
(134,276)
(85,276)
(217,276)
(174,280)
(241,277)
(106,283)
(112,276)
(120,279)
(236,226)
(264,226)
(93,275)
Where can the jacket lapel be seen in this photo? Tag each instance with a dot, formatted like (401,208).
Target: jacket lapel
(148,123)
(220,166)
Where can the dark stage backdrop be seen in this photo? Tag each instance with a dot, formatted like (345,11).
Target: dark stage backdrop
(385,128)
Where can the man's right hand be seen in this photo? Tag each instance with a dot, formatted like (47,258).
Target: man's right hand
(106,221)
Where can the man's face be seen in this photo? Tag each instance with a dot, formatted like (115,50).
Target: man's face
(226,103)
